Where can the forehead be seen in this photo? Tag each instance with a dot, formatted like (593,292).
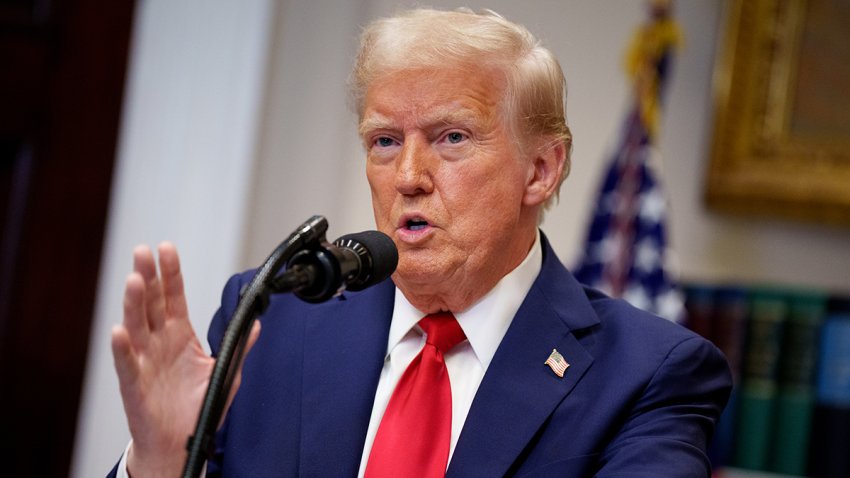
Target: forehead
(430,96)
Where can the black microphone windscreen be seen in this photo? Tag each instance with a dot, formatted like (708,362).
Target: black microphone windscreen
(379,261)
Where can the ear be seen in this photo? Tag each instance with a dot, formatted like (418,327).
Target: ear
(544,175)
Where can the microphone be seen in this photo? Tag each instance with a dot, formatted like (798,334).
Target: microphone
(354,262)
(316,271)
(370,257)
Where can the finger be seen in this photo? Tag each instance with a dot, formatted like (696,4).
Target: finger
(253,336)
(172,281)
(135,320)
(143,263)
(123,356)
(252,339)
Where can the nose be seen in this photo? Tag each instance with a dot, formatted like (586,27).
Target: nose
(414,167)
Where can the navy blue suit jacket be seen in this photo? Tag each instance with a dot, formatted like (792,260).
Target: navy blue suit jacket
(640,398)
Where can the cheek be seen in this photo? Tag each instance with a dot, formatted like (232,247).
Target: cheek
(471,199)
(492,197)
(382,190)
(378,184)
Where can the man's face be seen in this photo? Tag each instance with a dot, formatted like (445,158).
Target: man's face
(447,179)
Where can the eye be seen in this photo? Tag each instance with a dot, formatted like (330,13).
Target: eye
(384,141)
(455,137)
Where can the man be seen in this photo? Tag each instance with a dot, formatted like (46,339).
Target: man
(462,118)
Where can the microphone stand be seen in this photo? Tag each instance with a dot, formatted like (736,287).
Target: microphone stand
(254,299)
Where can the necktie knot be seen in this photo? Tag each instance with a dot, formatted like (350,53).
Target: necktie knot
(443,331)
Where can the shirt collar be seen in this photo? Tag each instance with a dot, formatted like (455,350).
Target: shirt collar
(485,322)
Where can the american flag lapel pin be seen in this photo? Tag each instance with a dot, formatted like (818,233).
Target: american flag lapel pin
(557,363)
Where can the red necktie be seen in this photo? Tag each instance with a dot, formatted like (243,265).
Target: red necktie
(415,432)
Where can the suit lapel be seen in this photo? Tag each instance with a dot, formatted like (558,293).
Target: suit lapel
(519,392)
(344,352)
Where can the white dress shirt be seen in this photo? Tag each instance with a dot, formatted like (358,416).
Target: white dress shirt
(484,323)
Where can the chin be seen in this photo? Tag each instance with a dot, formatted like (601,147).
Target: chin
(418,270)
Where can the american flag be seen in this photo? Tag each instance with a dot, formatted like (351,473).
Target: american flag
(626,250)
(557,363)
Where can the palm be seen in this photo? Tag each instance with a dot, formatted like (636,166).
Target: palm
(162,368)
(173,374)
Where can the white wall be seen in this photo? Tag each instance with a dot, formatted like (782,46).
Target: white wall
(311,162)
(718,247)
(187,172)
(185,156)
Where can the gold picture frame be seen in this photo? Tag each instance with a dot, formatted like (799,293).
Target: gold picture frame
(781,141)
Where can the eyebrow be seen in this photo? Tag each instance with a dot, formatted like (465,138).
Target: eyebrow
(441,116)
(374,122)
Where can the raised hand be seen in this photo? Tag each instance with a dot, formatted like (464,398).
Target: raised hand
(163,370)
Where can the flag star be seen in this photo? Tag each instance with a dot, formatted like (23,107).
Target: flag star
(606,249)
(652,206)
(670,305)
(637,296)
(647,255)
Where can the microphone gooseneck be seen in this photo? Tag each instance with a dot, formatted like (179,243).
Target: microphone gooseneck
(315,272)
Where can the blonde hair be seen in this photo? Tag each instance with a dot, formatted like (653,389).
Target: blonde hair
(535,91)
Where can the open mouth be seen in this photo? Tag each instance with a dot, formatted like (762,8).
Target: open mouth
(416,224)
